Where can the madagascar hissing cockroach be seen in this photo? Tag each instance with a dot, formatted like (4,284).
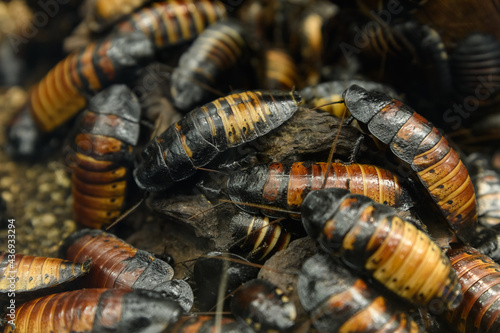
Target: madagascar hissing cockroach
(107,133)
(217,49)
(256,238)
(372,238)
(116,264)
(479,277)
(263,306)
(338,301)
(207,324)
(208,130)
(25,276)
(419,145)
(105,12)
(213,268)
(62,92)
(286,186)
(279,70)
(173,22)
(328,92)
(475,68)
(95,311)
(486,181)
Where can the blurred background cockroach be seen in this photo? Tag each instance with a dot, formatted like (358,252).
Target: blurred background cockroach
(479,277)
(173,22)
(420,145)
(102,156)
(96,310)
(339,301)
(217,49)
(208,130)
(370,237)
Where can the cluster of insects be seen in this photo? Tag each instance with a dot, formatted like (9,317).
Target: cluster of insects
(330,121)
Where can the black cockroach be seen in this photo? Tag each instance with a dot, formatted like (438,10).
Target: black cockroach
(256,238)
(279,70)
(263,306)
(62,92)
(217,49)
(286,186)
(419,145)
(211,269)
(479,277)
(208,324)
(329,92)
(338,301)
(475,67)
(170,23)
(208,130)
(372,238)
(486,182)
(27,276)
(107,133)
(96,310)
(116,264)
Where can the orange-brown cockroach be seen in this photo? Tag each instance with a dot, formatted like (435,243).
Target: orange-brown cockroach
(338,301)
(96,311)
(479,277)
(286,186)
(418,144)
(372,238)
(62,92)
(107,133)
(28,276)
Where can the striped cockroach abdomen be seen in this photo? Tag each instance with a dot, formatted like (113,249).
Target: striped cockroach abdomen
(96,311)
(479,277)
(420,145)
(22,274)
(256,238)
(62,92)
(208,130)
(107,133)
(279,70)
(116,264)
(217,49)
(338,301)
(205,324)
(371,237)
(173,22)
(286,186)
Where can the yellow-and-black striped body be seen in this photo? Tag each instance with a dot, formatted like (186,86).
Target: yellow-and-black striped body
(371,237)
(217,49)
(170,23)
(256,238)
(61,93)
(338,301)
(208,130)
